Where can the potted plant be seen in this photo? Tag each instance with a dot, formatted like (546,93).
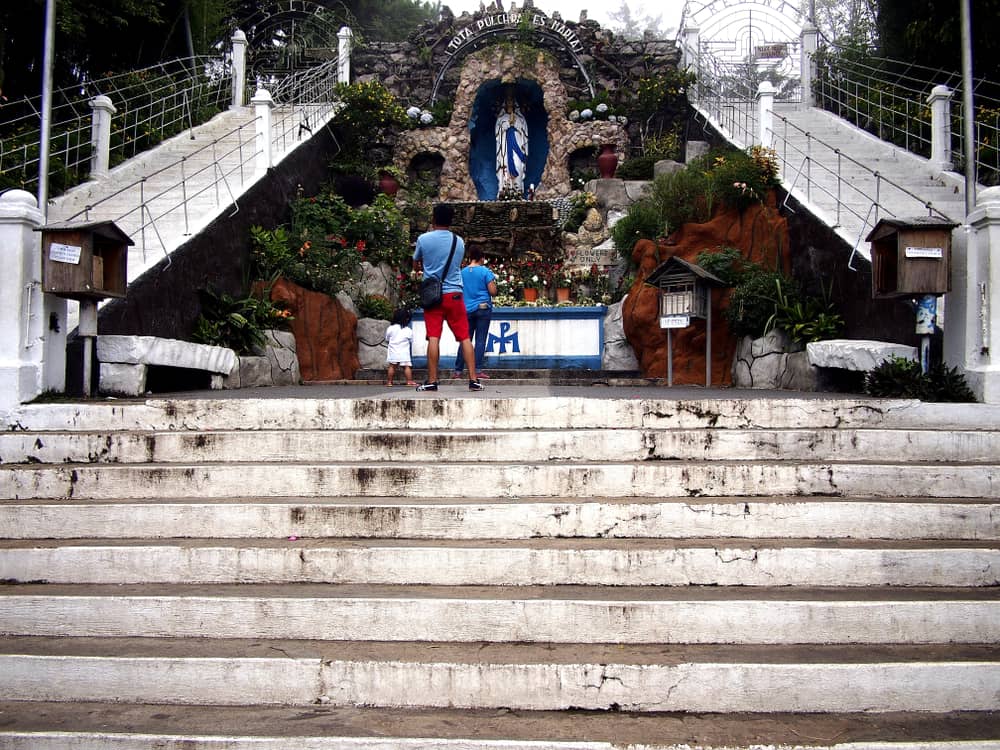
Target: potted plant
(564,284)
(389,179)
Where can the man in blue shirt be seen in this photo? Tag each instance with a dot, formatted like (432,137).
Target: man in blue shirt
(431,256)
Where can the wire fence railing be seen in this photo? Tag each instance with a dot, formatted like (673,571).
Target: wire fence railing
(813,170)
(169,201)
(888,99)
(152,104)
(308,99)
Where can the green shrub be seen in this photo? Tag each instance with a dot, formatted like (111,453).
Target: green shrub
(683,196)
(664,146)
(804,319)
(636,168)
(897,377)
(725,264)
(643,221)
(752,303)
(375,306)
(238,324)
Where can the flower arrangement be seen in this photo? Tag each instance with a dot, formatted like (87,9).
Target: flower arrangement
(597,108)
(420,117)
(510,192)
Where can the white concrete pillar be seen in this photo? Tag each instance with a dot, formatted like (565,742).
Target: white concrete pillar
(263,104)
(21,300)
(100,136)
(765,100)
(975,345)
(344,36)
(689,48)
(691,57)
(239,41)
(940,103)
(807,63)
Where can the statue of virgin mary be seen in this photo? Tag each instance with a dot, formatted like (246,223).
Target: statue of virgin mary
(512,146)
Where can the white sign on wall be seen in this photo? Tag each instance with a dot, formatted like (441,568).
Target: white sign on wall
(65,253)
(675,321)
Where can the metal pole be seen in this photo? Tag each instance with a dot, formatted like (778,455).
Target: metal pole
(708,341)
(670,358)
(49,44)
(968,123)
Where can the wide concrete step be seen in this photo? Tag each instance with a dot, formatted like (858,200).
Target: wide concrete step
(476,411)
(509,518)
(542,614)
(604,562)
(512,676)
(138,726)
(547,479)
(501,445)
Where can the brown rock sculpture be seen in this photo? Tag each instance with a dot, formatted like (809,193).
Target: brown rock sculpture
(325,333)
(759,232)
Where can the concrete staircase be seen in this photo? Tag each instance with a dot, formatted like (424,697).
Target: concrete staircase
(834,175)
(413,571)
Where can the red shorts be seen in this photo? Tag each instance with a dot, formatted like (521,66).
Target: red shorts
(451,309)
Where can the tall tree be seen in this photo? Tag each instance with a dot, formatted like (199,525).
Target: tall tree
(928,32)
(632,25)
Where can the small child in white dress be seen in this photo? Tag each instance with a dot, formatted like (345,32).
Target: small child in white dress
(399,336)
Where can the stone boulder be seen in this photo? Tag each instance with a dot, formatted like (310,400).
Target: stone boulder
(774,362)
(325,332)
(618,353)
(377,280)
(666,166)
(856,355)
(372,347)
(274,363)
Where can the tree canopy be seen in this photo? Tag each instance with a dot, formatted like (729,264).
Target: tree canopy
(96,37)
(928,32)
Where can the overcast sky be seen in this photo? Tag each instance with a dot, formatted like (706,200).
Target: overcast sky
(597,10)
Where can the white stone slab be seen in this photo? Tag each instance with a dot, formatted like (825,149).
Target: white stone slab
(122,379)
(153,350)
(857,355)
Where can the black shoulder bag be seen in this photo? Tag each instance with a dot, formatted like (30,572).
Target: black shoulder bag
(431,289)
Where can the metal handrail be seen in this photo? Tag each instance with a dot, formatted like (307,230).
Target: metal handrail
(730,107)
(304,97)
(888,99)
(311,100)
(151,104)
(177,178)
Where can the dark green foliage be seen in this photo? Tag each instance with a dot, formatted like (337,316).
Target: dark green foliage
(725,264)
(947,384)
(752,303)
(636,168)
(642,221)
(684,196)
(802,317)
(374,306)
(897,377)
(928,32)
(238,324)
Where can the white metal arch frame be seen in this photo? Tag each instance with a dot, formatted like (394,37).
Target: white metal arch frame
(737,33)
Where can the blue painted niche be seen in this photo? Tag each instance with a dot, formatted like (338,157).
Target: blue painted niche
(482,150)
